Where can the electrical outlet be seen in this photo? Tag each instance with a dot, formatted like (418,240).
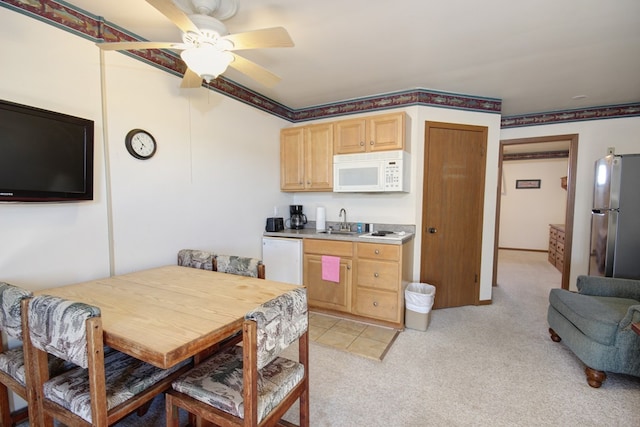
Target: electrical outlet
(611,150)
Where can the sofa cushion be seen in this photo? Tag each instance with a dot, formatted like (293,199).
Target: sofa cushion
(596,317)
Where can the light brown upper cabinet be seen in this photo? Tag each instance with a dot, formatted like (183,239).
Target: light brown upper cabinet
(373,133)
(306,158)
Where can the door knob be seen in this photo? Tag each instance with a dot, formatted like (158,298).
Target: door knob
(432,230)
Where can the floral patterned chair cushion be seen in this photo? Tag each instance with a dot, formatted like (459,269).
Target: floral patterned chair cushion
(242,266)
(10,318)
(218,382)
(58,326)
(125,376)
(280,322)
(196,259)
(12,363)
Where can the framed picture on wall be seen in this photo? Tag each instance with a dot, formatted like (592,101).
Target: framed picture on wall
(527,183)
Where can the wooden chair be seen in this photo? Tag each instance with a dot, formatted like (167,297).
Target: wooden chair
(12,368)
(243,266)
(104,387)
(251,385)
(196,258)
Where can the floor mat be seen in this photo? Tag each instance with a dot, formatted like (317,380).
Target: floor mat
(361,339)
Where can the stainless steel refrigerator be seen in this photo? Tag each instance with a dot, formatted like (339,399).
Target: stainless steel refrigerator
(615,219)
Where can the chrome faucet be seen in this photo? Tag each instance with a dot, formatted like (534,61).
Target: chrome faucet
(344,225)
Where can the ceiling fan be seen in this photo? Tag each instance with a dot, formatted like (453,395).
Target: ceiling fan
(207,47)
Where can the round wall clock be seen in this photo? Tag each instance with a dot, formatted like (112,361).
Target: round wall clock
(140,144)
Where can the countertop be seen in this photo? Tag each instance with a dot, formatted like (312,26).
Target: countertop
(311,233)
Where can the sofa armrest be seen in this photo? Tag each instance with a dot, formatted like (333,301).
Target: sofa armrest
(609,287)
(632,316)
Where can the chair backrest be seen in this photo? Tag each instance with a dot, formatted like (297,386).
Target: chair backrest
(58,326)
(279,323)
(10,310)
(242,266)
(196,259)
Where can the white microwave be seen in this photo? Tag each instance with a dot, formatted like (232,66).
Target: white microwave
(382,171)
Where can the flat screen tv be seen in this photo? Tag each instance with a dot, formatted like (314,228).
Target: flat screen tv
(45,156)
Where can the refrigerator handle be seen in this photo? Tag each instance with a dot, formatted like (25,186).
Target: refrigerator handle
(597,211)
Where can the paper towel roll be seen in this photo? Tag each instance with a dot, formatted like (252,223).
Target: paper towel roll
(321,223)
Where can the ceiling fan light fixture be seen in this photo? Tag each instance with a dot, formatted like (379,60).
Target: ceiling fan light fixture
(207,62)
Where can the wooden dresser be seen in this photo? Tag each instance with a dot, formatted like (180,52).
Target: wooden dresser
(556,245)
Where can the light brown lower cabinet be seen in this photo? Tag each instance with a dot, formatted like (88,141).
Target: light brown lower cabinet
(372,279)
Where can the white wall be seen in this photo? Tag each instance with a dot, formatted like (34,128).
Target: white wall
(211,184)
(593,139)
(525,214)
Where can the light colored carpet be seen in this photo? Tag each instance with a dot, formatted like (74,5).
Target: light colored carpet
(491,365)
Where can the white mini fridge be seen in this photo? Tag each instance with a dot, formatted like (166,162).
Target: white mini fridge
(282,258)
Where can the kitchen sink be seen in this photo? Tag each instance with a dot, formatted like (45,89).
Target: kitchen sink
(339,232)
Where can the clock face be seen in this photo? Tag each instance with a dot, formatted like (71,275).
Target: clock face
(140,144)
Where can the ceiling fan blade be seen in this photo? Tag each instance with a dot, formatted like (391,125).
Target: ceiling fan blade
(175,15)
(267,37)
(191,80)
(139,45)
(255,71)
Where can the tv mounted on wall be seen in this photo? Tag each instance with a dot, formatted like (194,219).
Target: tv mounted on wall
(45,156)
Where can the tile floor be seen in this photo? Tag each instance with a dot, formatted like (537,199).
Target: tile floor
(355,337)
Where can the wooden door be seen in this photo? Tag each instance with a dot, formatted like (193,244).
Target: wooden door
(453,201)
(319,157)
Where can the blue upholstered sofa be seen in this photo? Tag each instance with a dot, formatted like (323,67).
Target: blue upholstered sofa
(595,324)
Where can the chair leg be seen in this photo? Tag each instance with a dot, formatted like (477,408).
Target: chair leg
(5,409)
(554,337)
(142,410)
(595,378)
(171,411)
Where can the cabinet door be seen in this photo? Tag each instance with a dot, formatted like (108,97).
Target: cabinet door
(350,136)
(325,294)
(319,157)
(386,132)
(292,159)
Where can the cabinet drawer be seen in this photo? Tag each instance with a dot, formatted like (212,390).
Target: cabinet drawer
(379,251)
(328,247)
(560,237)
(553,233)
(377,304)
(379,274)
(560,248)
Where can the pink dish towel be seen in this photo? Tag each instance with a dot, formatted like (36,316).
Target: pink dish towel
(331,268)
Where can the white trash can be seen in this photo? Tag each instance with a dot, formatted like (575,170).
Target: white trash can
(418,300)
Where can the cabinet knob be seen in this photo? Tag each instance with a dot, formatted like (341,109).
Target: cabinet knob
(348,267)
(376,275)
(371,143)
(375,303)
(361,143)
(377,251)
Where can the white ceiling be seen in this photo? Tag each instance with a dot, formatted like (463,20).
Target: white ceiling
(534,55)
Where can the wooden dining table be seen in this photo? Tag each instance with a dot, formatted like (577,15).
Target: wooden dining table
(167,314)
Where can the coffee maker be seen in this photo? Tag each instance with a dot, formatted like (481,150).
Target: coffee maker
(298,219)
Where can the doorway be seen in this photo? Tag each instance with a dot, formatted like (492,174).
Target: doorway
(452,207)
(572,140)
